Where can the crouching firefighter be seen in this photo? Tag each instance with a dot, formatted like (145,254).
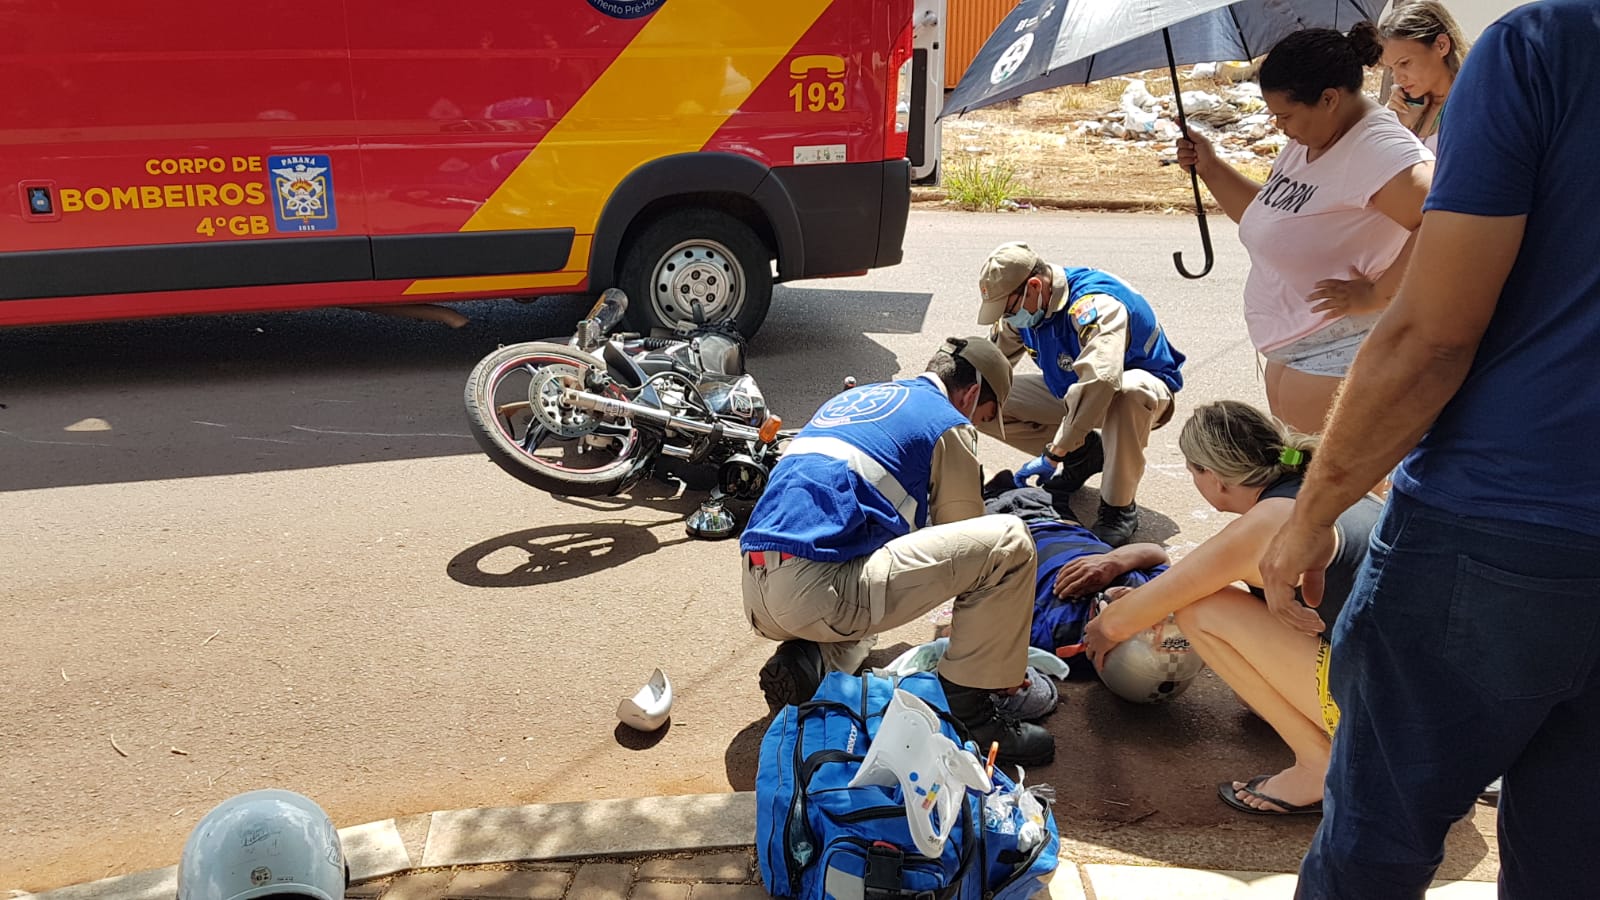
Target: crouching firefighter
(874,517)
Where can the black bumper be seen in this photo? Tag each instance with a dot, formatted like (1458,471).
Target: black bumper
(852,216)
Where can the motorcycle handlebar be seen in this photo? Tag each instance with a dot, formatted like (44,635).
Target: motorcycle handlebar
(613,407)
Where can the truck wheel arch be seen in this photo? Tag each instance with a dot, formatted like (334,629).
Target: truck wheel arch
(729,182)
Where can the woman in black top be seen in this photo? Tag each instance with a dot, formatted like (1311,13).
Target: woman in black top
(1244,461)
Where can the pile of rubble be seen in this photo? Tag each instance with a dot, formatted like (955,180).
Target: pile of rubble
(1235,120)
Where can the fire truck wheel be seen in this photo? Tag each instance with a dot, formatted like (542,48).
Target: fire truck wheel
(692,256)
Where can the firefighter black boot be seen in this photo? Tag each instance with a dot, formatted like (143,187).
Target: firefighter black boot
(1116,524)
(793,674)
(1021,743)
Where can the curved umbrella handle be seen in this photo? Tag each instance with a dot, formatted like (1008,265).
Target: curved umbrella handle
(1205,236)
(1194,177)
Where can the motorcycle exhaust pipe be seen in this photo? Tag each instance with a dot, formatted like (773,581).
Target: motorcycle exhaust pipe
(612,407)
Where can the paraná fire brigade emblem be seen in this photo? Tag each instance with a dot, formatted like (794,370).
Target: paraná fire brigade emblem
(302,188)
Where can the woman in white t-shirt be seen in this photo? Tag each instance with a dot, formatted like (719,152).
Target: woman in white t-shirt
(1330,231)
(1423,50)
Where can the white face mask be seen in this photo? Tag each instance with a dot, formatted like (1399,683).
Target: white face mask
(972,414)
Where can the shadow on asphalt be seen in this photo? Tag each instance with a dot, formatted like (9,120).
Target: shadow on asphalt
(744,751)
(633,739)
(219,395)
(744,754)
(552,553)
(1154,526)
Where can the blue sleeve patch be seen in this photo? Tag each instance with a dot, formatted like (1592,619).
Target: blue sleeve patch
(1083,312)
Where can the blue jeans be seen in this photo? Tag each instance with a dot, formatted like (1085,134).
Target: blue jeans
(1467,651)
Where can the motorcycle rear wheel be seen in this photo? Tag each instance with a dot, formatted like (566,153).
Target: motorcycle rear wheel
(503,423)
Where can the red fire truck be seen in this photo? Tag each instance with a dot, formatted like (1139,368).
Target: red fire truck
(188,156)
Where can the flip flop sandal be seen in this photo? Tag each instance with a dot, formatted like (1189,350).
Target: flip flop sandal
(1229,795)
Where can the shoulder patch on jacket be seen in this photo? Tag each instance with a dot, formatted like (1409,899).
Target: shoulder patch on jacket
(1083,312)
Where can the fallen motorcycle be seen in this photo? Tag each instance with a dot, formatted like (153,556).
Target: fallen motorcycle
(592,416)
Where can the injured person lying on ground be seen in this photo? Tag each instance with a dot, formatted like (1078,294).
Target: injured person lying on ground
(1077,574)
(1075,571)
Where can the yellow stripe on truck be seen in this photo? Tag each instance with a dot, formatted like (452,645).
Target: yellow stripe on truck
(651,102)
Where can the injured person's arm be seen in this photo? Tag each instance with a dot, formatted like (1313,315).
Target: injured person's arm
(1096,572)
(1228,557)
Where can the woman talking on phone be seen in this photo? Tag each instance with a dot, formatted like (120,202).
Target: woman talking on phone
(1423,50)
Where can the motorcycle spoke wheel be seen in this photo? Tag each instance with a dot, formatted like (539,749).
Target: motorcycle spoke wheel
(586,457)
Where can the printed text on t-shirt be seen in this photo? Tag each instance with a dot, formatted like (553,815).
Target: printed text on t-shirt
(1284,193)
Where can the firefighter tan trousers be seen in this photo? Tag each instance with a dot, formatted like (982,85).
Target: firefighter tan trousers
(987,564)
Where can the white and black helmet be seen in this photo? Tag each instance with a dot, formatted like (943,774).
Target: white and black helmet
(260,844)
(1153,666)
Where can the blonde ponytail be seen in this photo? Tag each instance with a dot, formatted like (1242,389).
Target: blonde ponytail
(1244,445)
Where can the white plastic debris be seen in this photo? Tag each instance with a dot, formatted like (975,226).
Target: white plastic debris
(1200,101)
(1136,122)
(1137,98)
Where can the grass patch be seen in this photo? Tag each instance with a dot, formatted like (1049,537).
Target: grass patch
(1255,170)
(981,185)
(1079,98)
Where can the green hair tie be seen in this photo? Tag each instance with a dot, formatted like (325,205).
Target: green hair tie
(1291,457)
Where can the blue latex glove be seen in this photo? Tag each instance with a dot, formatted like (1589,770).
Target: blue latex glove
(1041,467)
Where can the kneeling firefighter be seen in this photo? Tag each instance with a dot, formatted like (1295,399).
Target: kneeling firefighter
(873,518)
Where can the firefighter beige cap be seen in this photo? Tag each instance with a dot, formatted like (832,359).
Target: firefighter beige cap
(1003,272)
(992,365)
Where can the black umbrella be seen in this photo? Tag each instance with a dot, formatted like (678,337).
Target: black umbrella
(1049,43)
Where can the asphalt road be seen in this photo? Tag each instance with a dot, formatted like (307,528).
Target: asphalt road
(250,551)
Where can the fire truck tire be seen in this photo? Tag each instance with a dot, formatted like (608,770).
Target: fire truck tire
(700,255)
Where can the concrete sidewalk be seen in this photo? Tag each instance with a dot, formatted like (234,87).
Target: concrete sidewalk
(696,847)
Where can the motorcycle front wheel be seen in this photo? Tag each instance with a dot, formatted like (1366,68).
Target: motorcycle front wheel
(552,448)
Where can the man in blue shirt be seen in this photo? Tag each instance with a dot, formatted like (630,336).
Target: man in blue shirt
(1468,648)
(1104,362)
(875,516)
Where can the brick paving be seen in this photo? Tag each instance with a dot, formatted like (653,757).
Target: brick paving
(732,875)
(722,875)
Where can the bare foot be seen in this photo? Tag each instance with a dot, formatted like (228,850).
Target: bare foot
(1297,785)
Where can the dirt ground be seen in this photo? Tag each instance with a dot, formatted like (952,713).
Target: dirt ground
(1036,137)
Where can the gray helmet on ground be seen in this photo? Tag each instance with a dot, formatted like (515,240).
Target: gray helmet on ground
(263,843)
(1153,666)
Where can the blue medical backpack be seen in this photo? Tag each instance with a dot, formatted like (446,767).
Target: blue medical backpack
(818,839)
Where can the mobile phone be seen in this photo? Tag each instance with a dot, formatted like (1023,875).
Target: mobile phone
(1413,101)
